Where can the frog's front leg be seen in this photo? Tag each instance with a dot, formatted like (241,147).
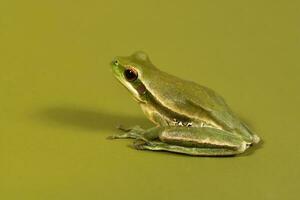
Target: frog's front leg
(135,132)
(195,141)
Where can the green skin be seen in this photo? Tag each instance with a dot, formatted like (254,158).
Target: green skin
(190,119)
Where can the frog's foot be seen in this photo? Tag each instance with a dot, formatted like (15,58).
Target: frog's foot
(135,132)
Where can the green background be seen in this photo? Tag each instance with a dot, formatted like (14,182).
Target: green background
(59,100)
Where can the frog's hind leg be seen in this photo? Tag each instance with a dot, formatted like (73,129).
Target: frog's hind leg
(193,151)
(195,141)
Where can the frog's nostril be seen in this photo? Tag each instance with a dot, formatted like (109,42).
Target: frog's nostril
(115,62)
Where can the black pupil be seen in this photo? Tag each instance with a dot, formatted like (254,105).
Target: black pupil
(130,75)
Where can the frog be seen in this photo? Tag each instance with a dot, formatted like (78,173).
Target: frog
(189,118)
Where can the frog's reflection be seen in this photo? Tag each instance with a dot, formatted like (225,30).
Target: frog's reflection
(88,119)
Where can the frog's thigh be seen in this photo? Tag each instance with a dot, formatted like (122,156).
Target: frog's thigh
(197,141)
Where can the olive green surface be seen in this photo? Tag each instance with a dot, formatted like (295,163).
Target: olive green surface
(59,100)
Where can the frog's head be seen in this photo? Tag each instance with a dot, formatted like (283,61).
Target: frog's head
(132,71)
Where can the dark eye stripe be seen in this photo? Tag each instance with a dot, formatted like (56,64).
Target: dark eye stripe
(130,74)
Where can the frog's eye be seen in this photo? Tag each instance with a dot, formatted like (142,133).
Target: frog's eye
(130,74)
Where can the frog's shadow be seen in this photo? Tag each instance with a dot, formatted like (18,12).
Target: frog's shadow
(93,120)
(88,119)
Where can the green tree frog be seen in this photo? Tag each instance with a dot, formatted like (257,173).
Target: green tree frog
(190,119)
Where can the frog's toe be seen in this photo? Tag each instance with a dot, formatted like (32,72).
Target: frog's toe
(126,135)
(117,136)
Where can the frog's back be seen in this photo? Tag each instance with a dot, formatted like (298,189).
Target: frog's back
(198,101)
